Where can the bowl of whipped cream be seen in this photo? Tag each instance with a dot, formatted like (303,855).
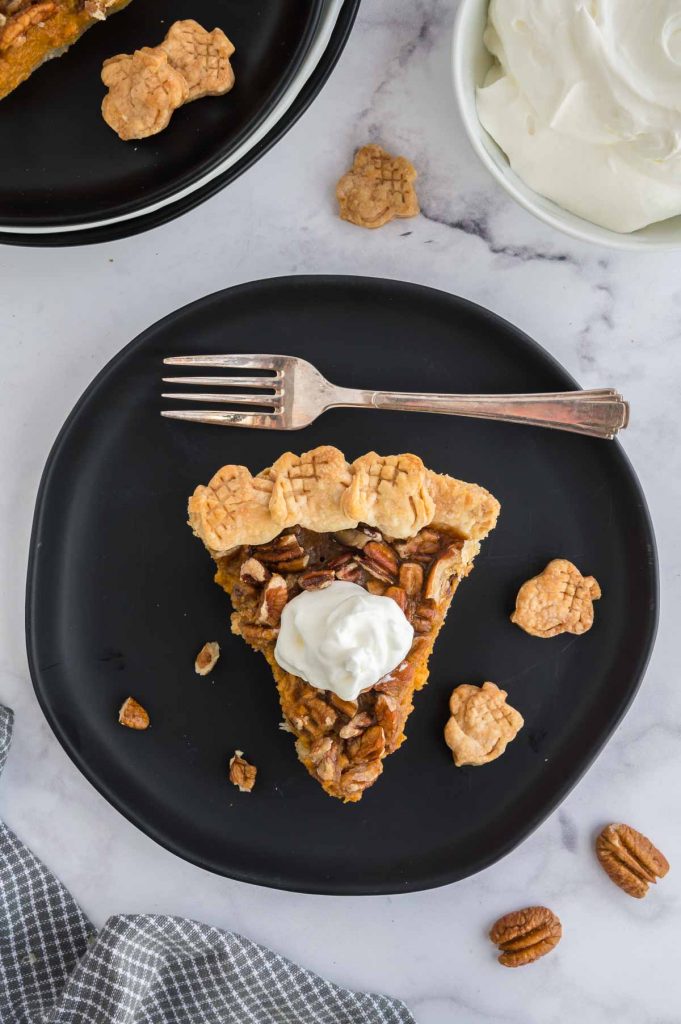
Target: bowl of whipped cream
(575,108)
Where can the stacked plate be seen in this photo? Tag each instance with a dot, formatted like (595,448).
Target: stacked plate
(65,177)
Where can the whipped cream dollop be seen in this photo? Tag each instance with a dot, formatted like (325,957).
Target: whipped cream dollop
(585,100)
(342,638)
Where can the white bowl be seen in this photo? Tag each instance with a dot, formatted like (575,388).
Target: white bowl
(471,61)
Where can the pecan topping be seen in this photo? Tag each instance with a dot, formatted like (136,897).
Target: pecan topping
(14,31)
(441,573)
(356,726)
(482,724)
(558,600)
(399,596)
(630,860)
(254,572)
(421,548)
(349,571)
(274,597)
(424,616)
(284,553)
(324,754)
(357,538)
(382,556)
(133,715)
(525,935)
(356,779)
(207,658)
(241,773)
(254,634)
(348,707)
(411,578)
(370,746)
(317,579)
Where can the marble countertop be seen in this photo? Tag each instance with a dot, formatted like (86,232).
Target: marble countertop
(611,318)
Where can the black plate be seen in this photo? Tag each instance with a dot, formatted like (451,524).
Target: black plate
(120,596)
(146,221)
(63,166)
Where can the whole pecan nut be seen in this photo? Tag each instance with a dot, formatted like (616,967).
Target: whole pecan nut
(629,859)
(524,936)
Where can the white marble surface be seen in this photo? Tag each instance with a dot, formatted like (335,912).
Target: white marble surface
(611,318)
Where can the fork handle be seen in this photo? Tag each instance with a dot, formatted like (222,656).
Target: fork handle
(597,413)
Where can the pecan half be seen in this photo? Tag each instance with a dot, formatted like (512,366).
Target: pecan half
(254,634)
(207,658)
(423,547)
(284,553)
(274,598)
(133,715)
(241,773)
(629,859)
(526,935)
(411,578)
(325,755)
(359,777)
(357,538)
(370,746)
(381,556)
(348,707)
(424,616)
(317,579)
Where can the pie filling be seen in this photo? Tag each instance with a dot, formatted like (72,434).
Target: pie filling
(31,31)
(342,743)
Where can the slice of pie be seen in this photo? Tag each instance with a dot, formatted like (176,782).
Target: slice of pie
(388,525)
(32,31)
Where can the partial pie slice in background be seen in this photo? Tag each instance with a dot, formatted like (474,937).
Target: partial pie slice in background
(387,524)
(32,31)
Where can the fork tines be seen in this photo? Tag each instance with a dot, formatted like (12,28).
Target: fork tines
(268,388)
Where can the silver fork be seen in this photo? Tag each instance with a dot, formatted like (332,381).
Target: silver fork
(294,394)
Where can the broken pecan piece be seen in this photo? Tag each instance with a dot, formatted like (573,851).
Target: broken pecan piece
(357,538)
(207,658)
(254,572)
(241,773)
(356,726)
(133,715)
(526,935)
(629,859)
(274,598)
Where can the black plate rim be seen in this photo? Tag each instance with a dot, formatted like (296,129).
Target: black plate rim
(165,191)
(416,883)
(147,221)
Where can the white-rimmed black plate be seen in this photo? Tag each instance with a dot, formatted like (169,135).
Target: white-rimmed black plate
(63,166)
(120,596)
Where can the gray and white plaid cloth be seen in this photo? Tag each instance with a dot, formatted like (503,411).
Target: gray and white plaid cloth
(143,968)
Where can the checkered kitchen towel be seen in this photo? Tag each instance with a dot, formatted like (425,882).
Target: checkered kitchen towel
(146,969)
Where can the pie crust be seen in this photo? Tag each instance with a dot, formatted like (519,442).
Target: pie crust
(388,524)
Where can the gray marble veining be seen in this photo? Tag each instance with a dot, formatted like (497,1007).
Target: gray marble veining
(611,318)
